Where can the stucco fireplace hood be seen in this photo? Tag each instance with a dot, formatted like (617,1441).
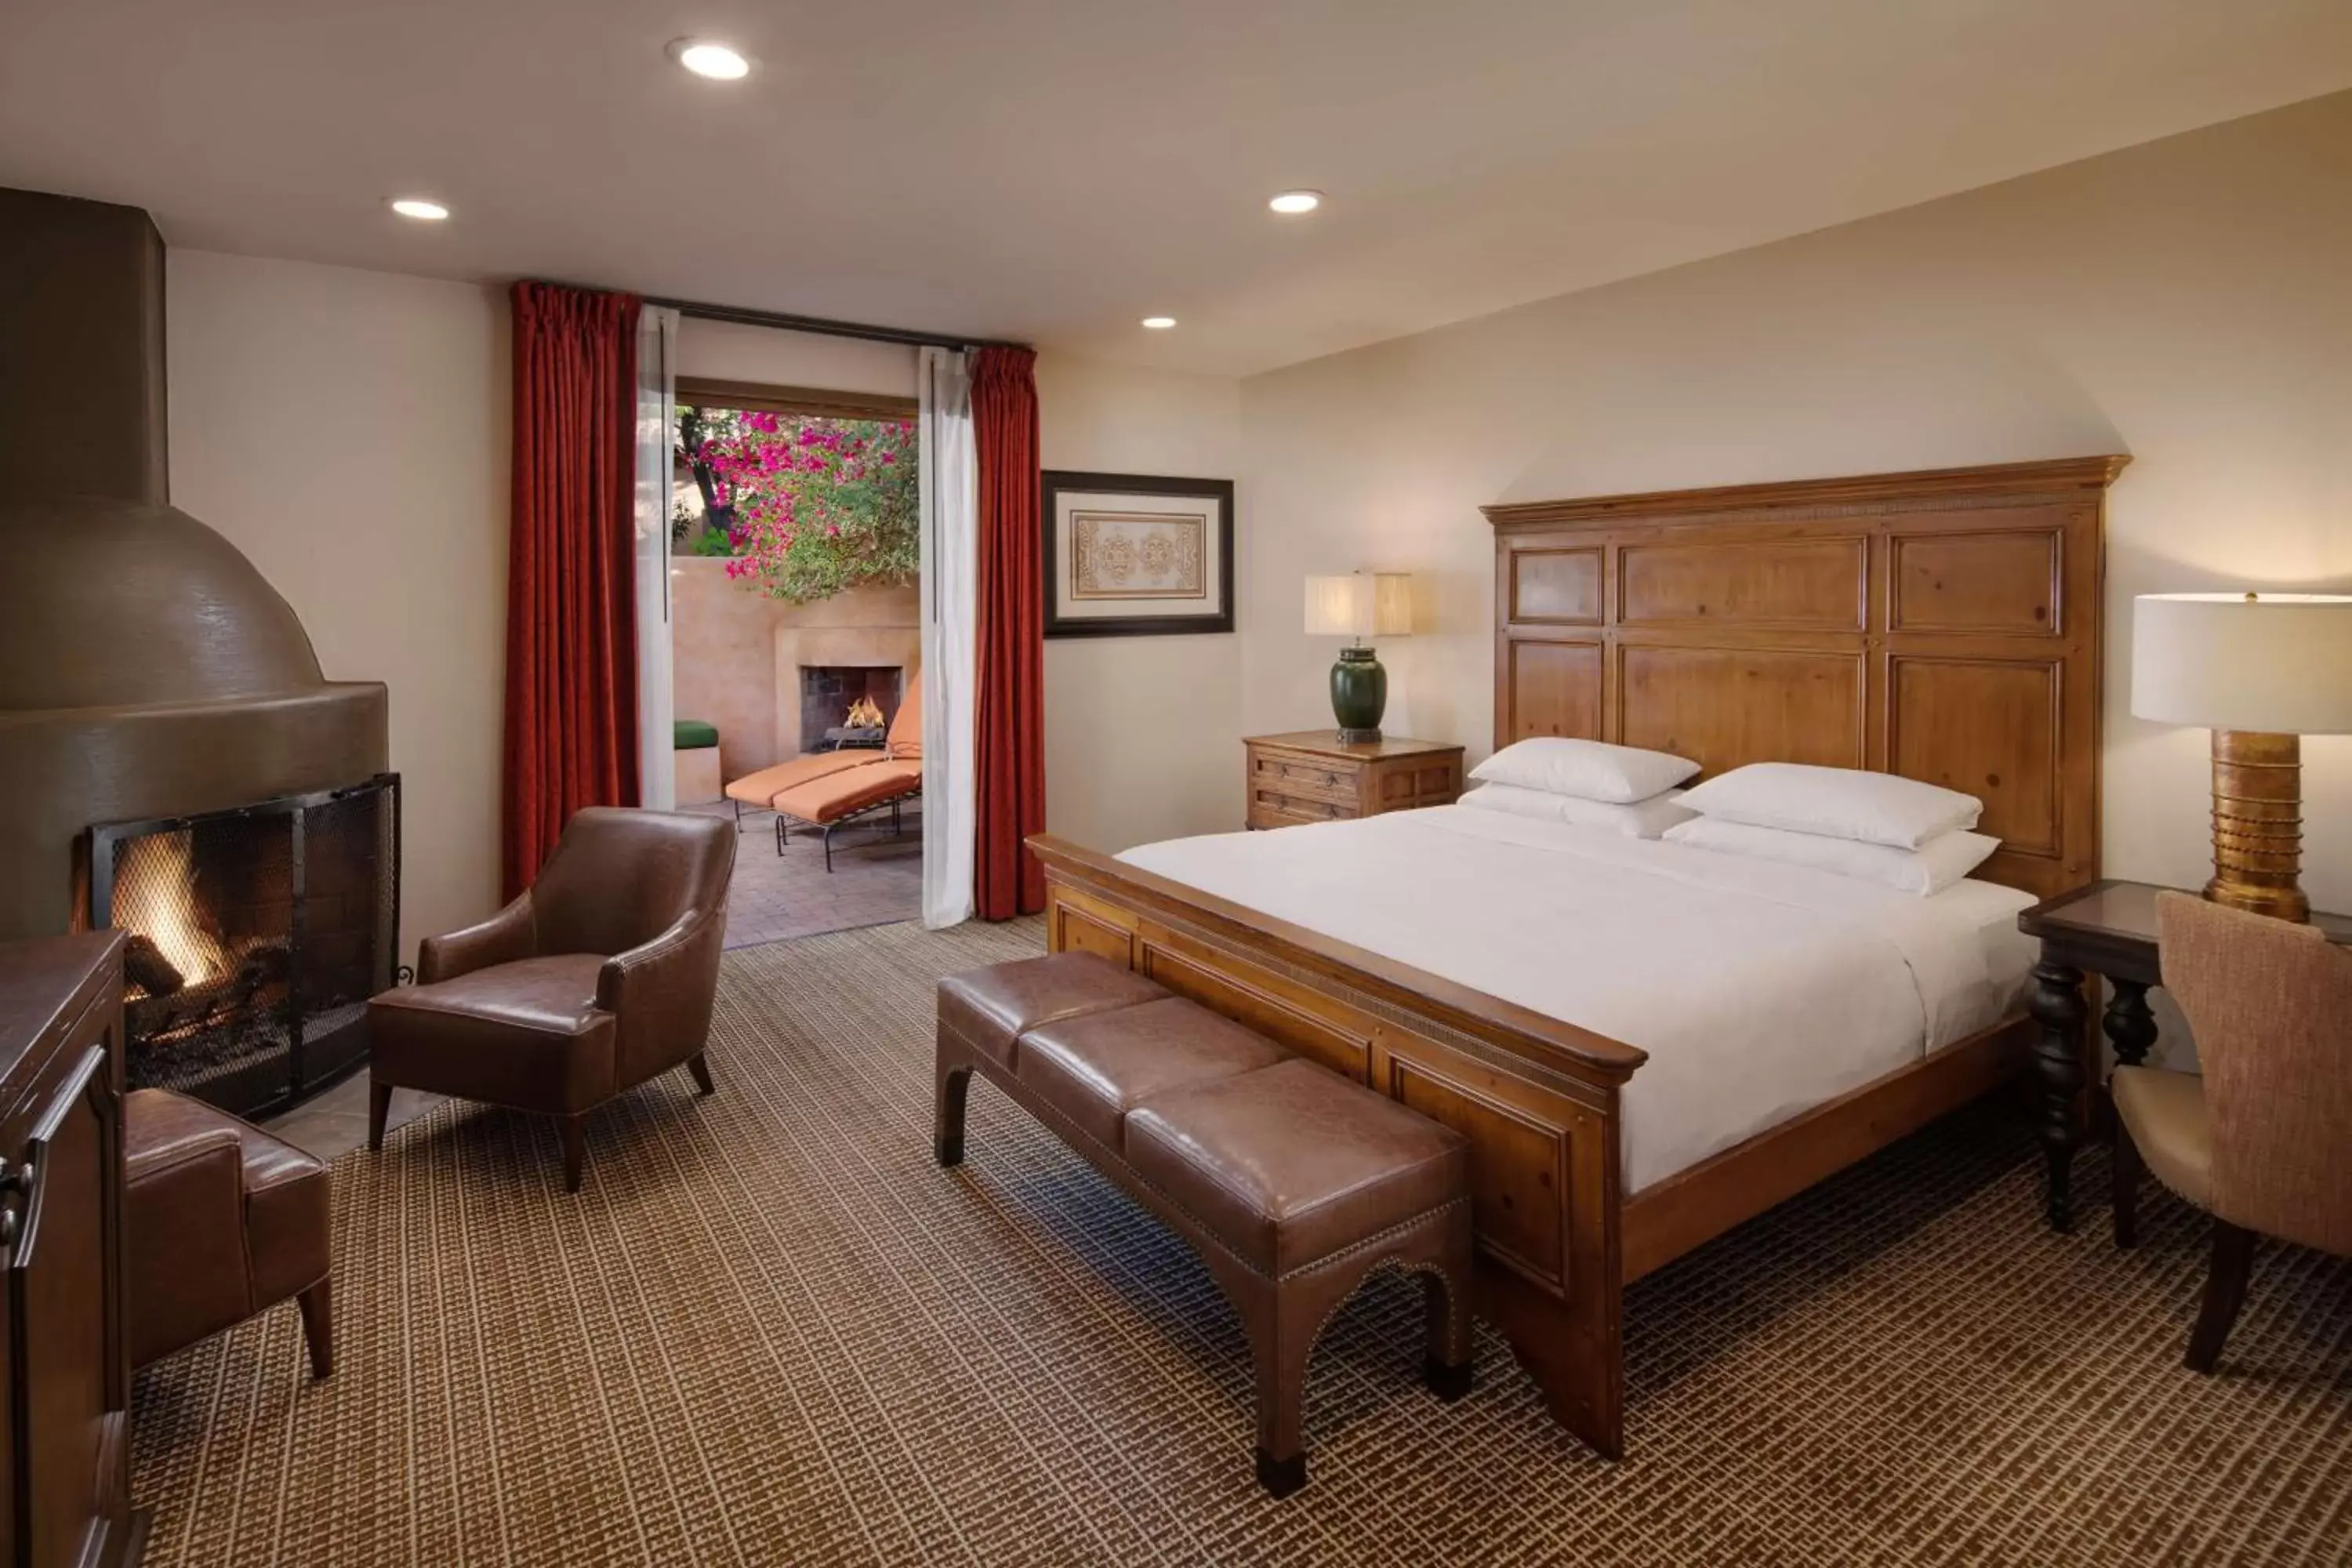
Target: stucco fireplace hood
(147,669)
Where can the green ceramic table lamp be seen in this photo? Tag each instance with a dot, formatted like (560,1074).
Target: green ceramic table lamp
(1366,603)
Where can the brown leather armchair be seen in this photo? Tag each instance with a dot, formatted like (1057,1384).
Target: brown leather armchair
(2258,1140)
(598,978)
(220,1221)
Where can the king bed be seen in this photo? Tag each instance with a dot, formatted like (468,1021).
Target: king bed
(1645,1042)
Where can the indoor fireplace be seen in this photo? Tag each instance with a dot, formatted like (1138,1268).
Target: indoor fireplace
(257,936)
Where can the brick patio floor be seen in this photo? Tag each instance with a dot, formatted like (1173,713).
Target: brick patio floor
(876,879)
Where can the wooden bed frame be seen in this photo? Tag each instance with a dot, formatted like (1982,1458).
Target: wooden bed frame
(1944,626)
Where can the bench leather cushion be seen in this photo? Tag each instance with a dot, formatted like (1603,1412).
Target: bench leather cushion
(1097,1066)
(1291,1162)
(990,1008)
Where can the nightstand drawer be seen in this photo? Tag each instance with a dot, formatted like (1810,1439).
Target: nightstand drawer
(1302,776)
(1272,808)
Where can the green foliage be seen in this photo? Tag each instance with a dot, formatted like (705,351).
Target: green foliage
(807,507)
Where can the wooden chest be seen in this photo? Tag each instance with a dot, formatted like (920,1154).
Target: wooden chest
(65,1374)
(1312,775)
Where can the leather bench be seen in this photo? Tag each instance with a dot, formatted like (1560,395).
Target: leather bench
(1291,1182)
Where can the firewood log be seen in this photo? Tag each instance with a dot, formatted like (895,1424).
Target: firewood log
(145,966)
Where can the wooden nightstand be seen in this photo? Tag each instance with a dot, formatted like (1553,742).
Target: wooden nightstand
(1312,775)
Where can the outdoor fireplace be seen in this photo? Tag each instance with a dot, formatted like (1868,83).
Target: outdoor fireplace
(256,935)
(839,703)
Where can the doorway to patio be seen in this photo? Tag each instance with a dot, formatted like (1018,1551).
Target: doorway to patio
(797,648)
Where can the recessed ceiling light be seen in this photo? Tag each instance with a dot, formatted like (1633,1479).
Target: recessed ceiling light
(1160,323)
(1295,201)
(715,60)
(419,208)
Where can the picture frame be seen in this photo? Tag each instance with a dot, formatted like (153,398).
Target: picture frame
(1135,556)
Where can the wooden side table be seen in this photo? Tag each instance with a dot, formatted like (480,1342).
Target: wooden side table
(2108,929)
(1312,775)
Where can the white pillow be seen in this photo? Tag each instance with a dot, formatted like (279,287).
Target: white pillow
(1589,770)
(1836,803)
(1930,868)
(1643,819)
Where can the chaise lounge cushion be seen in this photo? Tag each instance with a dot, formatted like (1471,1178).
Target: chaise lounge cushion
(527,1034)
(761,789)
(827,800)
(1097,1066)
(903,741)
(1291,1162)
(988,1009)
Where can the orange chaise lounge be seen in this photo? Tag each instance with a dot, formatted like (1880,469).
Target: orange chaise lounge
(826,790)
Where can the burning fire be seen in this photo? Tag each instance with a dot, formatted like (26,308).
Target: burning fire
(864,714)
(158,905)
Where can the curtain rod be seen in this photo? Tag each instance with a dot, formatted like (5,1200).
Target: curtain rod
(786,321)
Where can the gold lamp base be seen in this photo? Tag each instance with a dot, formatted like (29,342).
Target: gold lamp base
(2258,823)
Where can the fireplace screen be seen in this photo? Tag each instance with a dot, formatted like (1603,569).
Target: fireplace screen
(257,936)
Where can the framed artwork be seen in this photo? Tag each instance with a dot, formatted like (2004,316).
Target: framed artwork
(1130,556)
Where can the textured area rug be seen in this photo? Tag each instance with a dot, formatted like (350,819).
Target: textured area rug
(772,1331)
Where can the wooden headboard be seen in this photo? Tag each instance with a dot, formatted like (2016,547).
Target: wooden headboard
(1944,626)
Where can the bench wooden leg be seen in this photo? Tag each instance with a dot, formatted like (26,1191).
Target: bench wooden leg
(1279,1344)
(1283,1322)
(700,1068)
(954,1088)
(1445,1305)
(378,1107)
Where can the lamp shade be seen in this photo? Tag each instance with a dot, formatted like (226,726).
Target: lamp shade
(2269,663)
(1363,605)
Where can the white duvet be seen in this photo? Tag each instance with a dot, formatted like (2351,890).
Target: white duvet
(1759,990)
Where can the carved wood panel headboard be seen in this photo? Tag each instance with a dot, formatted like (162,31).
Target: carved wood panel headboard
(1944,626)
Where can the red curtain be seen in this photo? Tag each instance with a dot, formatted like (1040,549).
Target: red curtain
(571,623)
(1010,744)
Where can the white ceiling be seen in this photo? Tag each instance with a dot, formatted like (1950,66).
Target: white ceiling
(1052,170)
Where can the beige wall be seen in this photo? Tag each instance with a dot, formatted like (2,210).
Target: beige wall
(732,668)
(726,350)
(2188,301)
(1142,734)
(348,431)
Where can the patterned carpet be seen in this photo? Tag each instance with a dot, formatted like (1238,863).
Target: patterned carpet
(770,1331)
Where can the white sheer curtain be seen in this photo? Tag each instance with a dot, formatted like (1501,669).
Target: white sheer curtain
(656,416)
(950,550)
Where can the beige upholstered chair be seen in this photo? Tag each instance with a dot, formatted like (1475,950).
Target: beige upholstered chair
(2263,1141)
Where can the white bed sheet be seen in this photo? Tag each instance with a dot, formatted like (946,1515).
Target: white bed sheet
(1759,990)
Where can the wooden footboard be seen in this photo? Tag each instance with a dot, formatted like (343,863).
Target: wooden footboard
(1537,1098)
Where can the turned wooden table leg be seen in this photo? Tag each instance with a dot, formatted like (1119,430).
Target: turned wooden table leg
(2057,1003)
(2130,1028)
(2130,1023)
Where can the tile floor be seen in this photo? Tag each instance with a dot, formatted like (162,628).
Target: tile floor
(335,1122)
(876,879)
